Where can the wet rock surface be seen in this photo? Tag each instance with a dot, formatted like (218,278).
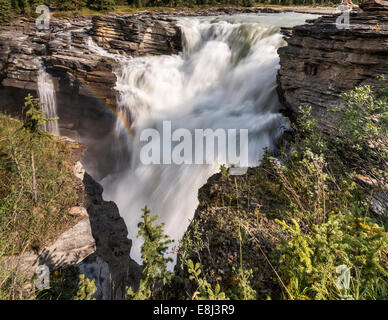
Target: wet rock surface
(65,52)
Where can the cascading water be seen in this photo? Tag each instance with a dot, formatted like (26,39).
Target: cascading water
(225,78)
(47,97)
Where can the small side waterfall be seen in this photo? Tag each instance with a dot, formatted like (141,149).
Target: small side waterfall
(47,97)
(224,79)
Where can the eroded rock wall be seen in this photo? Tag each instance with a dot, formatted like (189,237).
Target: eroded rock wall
(321,60)
(111,265)
(137,35)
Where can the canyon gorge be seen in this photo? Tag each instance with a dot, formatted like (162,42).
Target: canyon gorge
(107,77)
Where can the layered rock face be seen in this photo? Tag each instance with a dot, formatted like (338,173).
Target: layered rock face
(84,81)
(18,63)
(322,60)
(375,5)
(78,70)
(137,35)
(23,47)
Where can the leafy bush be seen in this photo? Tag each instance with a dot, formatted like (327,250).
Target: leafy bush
(204,290)
(329,222)
(36,182)
(363,126)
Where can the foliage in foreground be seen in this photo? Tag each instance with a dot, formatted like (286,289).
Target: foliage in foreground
(346,233)
(37,187)
(155,275)
(306,217)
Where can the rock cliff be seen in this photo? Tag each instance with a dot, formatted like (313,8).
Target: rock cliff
(65,52)
(137,35)
(110,265)
(321,60)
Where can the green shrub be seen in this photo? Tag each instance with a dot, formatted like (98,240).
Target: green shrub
(204,290)
(310,260)
(362,131)
(37,187)
(243,289)
(86,289)
(329,224)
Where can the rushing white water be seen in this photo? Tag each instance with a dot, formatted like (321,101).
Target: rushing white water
(47,97)
(225,78)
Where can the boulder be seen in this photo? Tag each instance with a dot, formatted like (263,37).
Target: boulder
(70,248)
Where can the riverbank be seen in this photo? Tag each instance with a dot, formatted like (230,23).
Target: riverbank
(200,10)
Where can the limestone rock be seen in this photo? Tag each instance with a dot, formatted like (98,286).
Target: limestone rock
(97,269)
(71,248)
(375,5)
(79,170)
(319,54)
(137,35)
(78,212)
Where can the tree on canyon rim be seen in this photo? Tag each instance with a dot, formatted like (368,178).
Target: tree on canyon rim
(5,12)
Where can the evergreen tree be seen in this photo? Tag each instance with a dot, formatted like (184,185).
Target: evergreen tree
(16,6)
(153,251)
(105,5)
(34,116)
(5,12)
(71,4)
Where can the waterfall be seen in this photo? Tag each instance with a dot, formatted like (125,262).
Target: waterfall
(225,78)
(47,97)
